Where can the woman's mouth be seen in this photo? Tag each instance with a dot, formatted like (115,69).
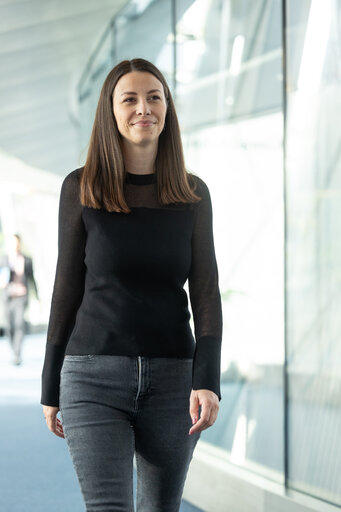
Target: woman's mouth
(144,123)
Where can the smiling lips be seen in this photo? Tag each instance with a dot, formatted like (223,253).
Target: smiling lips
(144,123)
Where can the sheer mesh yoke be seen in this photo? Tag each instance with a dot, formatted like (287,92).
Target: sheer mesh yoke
(119,283)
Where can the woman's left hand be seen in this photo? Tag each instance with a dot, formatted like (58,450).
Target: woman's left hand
(209,402)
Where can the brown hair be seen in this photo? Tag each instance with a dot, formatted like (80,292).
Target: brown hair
(103,176)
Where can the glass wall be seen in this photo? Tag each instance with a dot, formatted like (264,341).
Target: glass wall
(313,175)
(91,84)
(229,100)
(145,30)
(271,162)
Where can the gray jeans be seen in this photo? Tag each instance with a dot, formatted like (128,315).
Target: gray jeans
(113,407)
(14,310)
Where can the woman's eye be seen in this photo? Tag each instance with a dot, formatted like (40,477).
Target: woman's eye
(153,97)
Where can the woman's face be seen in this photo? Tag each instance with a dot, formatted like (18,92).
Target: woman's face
(139,107)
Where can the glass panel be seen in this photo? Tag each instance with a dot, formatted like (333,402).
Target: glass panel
(228,60)
(91,86)
(314,246)
(229,102)
(144,30)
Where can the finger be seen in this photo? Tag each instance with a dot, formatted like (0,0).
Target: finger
(59,423)
(60,426)
(194,408)
(201,425)
(204,420)
(55,426)
(194,414)
(59,434)
(206,424)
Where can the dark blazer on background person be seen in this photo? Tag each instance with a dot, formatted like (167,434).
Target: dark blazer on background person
(29,280)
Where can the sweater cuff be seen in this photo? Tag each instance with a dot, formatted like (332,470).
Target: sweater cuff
(206,364)
(54,357)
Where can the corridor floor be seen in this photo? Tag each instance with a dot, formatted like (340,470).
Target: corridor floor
(35,466)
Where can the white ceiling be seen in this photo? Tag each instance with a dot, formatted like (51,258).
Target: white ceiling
(44,46)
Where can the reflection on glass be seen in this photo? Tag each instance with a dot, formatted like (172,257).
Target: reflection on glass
(90,88)
(314,247)
(229,102)
(147,34)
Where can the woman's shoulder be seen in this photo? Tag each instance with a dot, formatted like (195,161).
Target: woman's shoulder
(198,183)
(74,175)
(70,187)
(71,181)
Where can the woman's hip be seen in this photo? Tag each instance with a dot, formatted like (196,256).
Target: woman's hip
(125,381)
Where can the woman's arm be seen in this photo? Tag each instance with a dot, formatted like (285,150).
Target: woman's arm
(205,297)
(68,286)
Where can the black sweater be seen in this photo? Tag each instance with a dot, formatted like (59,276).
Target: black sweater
(119,282)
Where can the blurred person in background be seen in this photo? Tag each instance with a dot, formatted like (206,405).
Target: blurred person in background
(15,278)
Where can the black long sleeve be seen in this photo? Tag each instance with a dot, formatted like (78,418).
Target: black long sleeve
(68,286)
(119,283)
(205,298)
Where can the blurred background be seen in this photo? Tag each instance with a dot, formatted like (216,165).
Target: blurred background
(257,89)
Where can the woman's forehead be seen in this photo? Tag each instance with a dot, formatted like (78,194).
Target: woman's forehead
(137,81)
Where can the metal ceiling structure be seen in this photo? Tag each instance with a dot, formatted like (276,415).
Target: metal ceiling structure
(44,46)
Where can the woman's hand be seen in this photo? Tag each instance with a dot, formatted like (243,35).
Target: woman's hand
(53,423)
(209,402)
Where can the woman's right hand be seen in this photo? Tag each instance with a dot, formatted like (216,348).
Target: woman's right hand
(54,424)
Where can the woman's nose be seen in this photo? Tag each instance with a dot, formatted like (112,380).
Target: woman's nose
(142,107)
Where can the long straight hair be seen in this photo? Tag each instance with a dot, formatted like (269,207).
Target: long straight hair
(103,175)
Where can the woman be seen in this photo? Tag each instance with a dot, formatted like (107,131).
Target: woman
(121,363)
(18,269)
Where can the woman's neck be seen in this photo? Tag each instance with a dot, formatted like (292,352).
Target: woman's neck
(139,159)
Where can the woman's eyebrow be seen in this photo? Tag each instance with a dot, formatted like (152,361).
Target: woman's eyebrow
(132,92)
